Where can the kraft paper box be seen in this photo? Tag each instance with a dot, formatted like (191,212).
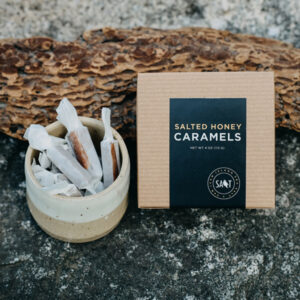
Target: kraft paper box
(206,140)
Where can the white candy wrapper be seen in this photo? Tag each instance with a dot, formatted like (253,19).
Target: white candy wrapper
(79,138)
(63,188)
(45,177)
(39,139)
(54,169)
(109,151)
(65,145)
(57,140)
(96,188)
(44,160)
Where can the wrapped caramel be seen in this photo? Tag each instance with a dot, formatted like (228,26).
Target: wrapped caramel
(39,139)
(63,188)
(45,177)
(79,138)
(109,151)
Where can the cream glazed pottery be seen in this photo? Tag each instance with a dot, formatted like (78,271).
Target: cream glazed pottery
(79,219)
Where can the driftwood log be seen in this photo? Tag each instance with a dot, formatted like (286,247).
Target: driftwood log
(100,69)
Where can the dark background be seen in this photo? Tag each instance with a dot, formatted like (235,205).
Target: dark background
(190,169)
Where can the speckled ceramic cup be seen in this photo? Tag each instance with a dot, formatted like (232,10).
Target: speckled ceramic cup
(79,219)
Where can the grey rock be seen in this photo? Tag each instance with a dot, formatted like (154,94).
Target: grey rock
(156,254)
(66,20)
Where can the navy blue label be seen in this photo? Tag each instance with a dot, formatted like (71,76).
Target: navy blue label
(207,152)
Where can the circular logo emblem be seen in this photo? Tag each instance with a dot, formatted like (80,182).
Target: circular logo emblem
(223,183)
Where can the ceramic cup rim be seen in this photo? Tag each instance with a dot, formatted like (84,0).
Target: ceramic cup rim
(86,122)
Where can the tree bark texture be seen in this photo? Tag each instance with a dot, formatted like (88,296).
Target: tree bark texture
(100,69)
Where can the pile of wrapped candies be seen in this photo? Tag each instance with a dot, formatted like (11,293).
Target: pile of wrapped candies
(70,166)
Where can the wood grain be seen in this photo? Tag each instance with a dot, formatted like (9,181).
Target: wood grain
(100,69)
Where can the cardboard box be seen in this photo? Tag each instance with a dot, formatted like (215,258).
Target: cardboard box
(206,140)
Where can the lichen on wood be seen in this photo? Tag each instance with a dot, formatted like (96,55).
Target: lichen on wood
(100,69)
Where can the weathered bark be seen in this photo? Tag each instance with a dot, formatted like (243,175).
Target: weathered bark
(100,69)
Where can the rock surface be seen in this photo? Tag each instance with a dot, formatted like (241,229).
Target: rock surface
(66,20)
(164,254)
(156,254)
